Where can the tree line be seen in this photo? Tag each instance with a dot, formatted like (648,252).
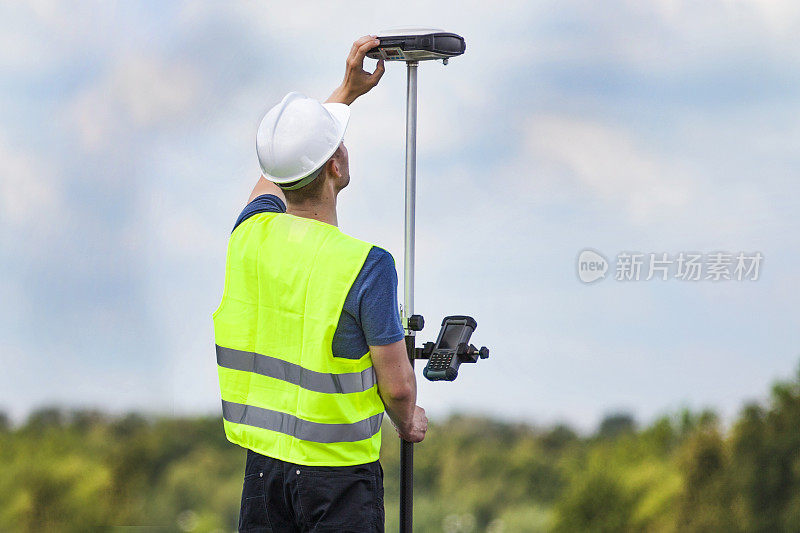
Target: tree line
(76,470)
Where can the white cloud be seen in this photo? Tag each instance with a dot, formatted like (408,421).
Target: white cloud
(136,93)
(184,234)
(776,15)
(605,162)
(38,35)
(27,189)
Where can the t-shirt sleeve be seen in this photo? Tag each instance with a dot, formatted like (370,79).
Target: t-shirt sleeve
(378,309)
(266,203)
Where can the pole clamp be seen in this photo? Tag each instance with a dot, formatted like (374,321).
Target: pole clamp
(416,322)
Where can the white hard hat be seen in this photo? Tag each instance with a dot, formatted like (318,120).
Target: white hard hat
(297,137)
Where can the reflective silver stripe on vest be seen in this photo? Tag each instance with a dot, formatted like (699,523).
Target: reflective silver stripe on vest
(296,374)
(297,427)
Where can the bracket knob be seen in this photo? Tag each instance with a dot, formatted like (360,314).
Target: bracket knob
(416,322)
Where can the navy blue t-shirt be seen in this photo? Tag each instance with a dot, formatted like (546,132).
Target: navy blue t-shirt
(370,316)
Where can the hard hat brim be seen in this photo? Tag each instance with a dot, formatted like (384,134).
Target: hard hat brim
(341,114)
(341,117)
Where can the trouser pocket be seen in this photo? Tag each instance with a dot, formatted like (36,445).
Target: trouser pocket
(330,499)
(253,512)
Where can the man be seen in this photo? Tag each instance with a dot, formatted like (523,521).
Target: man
(310,348)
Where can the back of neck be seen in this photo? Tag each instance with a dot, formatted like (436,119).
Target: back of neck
(322,211)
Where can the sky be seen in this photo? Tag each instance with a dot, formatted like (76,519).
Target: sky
(127,151)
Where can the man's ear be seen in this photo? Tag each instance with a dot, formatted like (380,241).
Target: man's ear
(334,168)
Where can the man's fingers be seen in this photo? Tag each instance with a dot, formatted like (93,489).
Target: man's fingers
(357,81)
(364,39)
(357,44)
(363,49)
(360,49)
(375,77)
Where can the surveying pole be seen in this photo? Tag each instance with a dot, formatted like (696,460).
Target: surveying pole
(452,347)
(407,448)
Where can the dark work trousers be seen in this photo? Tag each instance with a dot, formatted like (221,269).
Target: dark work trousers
(282,497)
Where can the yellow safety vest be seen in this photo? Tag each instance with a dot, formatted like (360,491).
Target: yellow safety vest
(284,394)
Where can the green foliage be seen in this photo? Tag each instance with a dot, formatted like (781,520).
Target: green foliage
(615,425)
(596,502)
(78,471)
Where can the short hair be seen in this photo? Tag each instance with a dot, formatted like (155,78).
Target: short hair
(313,190)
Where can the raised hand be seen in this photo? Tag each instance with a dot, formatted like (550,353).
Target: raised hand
(358,81)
